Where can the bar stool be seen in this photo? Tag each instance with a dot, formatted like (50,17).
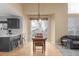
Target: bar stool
(21,41)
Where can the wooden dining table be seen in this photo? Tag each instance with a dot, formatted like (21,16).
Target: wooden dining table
(39,42)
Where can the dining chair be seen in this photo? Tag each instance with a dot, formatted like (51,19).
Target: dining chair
(21,40)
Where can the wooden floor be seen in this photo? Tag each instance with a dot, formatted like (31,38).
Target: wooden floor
(27,50)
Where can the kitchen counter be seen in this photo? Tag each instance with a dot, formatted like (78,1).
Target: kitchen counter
(8,35)
(9,42)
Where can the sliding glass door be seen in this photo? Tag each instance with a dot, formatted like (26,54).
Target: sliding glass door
(39,26)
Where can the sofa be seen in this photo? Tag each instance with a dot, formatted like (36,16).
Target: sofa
(70,41)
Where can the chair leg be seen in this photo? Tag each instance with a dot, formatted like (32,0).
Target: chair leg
(42,49)
(34,48)
(21,43)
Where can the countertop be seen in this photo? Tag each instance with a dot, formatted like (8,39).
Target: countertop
(8,35)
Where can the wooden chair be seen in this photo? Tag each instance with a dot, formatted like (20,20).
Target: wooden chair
(39,41)
(39,35)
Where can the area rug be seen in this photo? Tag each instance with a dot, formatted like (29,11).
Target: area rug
(68,52)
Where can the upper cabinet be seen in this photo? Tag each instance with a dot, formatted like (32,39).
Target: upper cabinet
(3,20)
(13,23)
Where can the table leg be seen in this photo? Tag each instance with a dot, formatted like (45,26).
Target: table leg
(34,47)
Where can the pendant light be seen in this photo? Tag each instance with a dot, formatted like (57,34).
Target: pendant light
(39,18)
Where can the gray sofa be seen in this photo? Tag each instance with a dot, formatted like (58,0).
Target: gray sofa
(70,41)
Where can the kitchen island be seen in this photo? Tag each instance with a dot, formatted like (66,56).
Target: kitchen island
(9,42)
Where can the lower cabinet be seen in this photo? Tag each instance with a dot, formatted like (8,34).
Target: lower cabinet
(4,43)
(8,43)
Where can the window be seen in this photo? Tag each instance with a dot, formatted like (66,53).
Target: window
(39,27)
(73,7)
(73,25)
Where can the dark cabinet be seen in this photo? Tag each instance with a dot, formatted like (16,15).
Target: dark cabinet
(13,23)
(9,43)
(4,43)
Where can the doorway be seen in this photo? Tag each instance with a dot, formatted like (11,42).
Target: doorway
(39,26)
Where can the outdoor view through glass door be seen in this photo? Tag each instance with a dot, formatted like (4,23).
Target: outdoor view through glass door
(39,26)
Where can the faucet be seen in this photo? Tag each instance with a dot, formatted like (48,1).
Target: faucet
(9,31)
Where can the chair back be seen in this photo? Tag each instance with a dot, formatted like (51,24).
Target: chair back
(39,35)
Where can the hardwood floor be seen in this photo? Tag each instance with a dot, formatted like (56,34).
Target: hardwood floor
(27,50)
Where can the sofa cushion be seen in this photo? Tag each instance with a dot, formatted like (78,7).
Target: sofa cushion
(73,37)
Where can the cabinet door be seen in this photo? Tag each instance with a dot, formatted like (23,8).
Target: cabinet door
(13,23)
(4,43)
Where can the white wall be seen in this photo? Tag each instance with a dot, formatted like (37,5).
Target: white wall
(45,8)
(61,21)
(52,22)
